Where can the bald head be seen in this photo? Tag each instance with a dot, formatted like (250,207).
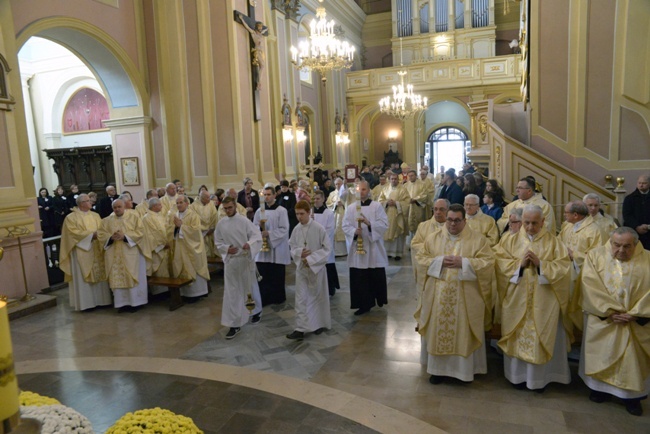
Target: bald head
(643,183)
(232,193)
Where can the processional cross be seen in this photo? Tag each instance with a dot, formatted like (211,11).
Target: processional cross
(311,167)
(257,31)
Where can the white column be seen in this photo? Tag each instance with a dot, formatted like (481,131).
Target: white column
(415,17)
(491,8)
(451,11)
(432,16)
(468,14)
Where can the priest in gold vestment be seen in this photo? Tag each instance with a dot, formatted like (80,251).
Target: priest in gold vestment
(419,194)
(480,222)
(189,260)
(614,294)
(395,200)
(81,258)
(207,212)
(156,242)
(143,206)
(169,199)
(437,222)
(376,191)
(121,235)
(533,279)
(451,316)
(337,201)
(240,209)
(527,196)
(604,221)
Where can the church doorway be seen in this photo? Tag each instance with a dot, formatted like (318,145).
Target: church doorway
(448,147)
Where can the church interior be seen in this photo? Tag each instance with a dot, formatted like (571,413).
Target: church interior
(138,93)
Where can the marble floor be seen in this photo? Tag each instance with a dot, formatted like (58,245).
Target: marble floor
(363,375)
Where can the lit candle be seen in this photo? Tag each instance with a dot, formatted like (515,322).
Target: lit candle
(263,212)
(8,382)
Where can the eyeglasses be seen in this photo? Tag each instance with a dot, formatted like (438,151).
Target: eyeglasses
(455,221)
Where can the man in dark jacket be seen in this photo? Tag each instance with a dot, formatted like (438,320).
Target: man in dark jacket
(287,199)
(105,206)
(451,191)
(636,210)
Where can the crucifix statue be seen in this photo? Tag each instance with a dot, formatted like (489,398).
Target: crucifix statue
(311,167)
(257,31)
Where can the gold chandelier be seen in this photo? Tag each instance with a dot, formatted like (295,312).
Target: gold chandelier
(404,102)
(324,51)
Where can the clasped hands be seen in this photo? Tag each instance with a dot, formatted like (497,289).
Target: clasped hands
(622,318)
(232,250)
(530,258)
(177,222)
(303,255)
(118,236)
(452,261)
(391,202)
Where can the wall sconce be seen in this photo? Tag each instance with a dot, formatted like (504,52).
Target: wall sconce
(287,135)
(392,134)
(300,135)
(342,139)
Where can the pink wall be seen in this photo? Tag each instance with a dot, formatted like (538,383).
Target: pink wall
(227,157)
(553,70)
(6,174)
(129,145)
(158,144)
(195,100)
(600,58)
(382,125)
(118,22)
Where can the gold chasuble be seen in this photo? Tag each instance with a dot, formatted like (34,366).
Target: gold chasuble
(529,309)
(581,240)
(605,223)
(339,211)
(616,354)
(156,237)
(208,216)
(424,230)
(376,192)
(122,260)
(77,226)
(189,250)
(168,204)
(537,199)
(397,224)
(417,211)
(452,311)
(142,208)
(485,225)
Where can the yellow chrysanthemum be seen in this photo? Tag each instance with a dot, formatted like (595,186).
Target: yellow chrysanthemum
(154,421)
(34,399)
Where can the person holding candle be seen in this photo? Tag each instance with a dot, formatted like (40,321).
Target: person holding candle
(533,280)
(367,219)
(273,221)
(456,302)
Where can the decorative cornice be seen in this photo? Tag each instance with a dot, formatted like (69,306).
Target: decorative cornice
(128,122)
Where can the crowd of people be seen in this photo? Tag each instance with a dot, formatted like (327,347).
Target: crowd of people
(478,260)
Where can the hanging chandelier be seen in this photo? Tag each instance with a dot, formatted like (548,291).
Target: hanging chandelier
(324,51)
(404,102)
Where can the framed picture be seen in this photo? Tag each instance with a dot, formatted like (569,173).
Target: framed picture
(351,172)
(130,171)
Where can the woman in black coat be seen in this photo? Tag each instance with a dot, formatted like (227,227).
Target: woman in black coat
(61,208)
(46,212)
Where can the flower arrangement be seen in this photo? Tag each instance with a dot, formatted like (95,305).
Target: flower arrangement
(154,421)
(34,399)
(58,419)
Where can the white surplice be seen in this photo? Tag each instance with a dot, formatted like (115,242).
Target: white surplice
(277,225)
(312,302)
(239,268)
(373,239)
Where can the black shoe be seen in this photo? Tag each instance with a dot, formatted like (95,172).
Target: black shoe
(542,390)
(319,331)
(398,258)
(256,318)
(436,379)
(232,332)
(633,406)
(519,386)
(361,311)
(598,397)
(296,335)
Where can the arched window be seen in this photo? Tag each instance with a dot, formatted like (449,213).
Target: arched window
(446,146)
(85,111)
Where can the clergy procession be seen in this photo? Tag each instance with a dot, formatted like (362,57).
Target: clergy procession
(490,275)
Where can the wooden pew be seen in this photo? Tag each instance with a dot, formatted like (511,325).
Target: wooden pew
(174,284)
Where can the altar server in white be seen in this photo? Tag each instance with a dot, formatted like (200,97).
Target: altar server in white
(238,240)
(310,249)
(367,271)
(326,218)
